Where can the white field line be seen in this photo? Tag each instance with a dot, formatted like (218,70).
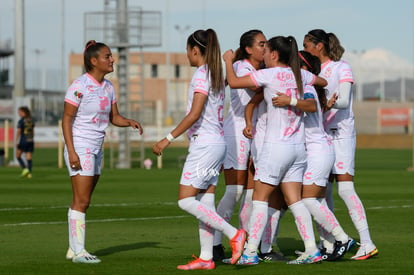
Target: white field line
(92,205)
(146,218)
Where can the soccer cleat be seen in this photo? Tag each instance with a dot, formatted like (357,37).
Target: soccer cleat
(365,251)
(272,257)
(339,251)
(237,245)
(198,263)
(70,254)
(218,253)
(24,172)
(246,260)
(85,258)
(305,258)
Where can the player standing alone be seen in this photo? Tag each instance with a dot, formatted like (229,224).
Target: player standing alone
(90,104)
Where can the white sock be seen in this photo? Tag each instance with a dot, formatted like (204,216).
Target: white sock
(326,238)
(304,225)
(226,205)
(324,216)
(205,231)
(207,215)
(257,223)
(356,209)
(77,227)
(270,229)
(246,206)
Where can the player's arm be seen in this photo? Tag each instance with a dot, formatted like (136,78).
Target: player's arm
(342,98)
(308,104)
(231,77)
(192,117)
(69,113)
(248,113)
(118,120)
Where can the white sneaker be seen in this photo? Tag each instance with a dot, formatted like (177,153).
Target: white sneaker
(365,251)
(70,254)
(85,258)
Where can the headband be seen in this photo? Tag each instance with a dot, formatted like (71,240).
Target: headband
(198,42)
(304,60)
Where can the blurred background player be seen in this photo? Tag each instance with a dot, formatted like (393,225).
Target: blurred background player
(25,140)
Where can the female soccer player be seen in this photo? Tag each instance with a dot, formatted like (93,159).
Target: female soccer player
(320,159)
(339,124)
(249,58)
(282,159)
(90,104)
(204,126)
(25,140)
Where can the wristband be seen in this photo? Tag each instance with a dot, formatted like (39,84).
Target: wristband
(293,101)
(170,137)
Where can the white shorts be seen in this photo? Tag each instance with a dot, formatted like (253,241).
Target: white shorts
(203,165)
(237,153)
(320,159)
(257,145)
(281,162)
(344,156)
(90,159)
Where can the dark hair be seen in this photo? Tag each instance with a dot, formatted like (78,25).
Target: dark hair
(336,49)
(332,46)
(319,36)
(207,42)
(313,64)
(246,40)
(91,51)
(288,55)
(26,111)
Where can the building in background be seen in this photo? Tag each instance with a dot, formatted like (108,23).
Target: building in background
(162,81)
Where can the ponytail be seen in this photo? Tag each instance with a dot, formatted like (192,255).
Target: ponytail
(209,46)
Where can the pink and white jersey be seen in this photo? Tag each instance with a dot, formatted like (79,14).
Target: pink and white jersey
(342,120)
(314,132)
(234,122)
(209,127)
(284,124)
(94,101)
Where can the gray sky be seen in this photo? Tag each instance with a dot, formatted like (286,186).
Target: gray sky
(359,24)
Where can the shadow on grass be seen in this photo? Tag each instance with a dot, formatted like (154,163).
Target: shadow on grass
(125,247)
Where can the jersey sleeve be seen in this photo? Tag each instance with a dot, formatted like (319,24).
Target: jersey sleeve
(345,73)
(74,93)
(308,78)
(201,82)
(260,78)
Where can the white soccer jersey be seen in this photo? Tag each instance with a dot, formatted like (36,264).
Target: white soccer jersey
(234,122)
(314,131)
(284,124)
(340,120)
(209,127)
(94,101)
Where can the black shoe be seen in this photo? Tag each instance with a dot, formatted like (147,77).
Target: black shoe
(340,250)
(272,257)
(218,253)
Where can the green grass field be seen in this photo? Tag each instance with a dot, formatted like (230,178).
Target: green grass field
(135,226)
